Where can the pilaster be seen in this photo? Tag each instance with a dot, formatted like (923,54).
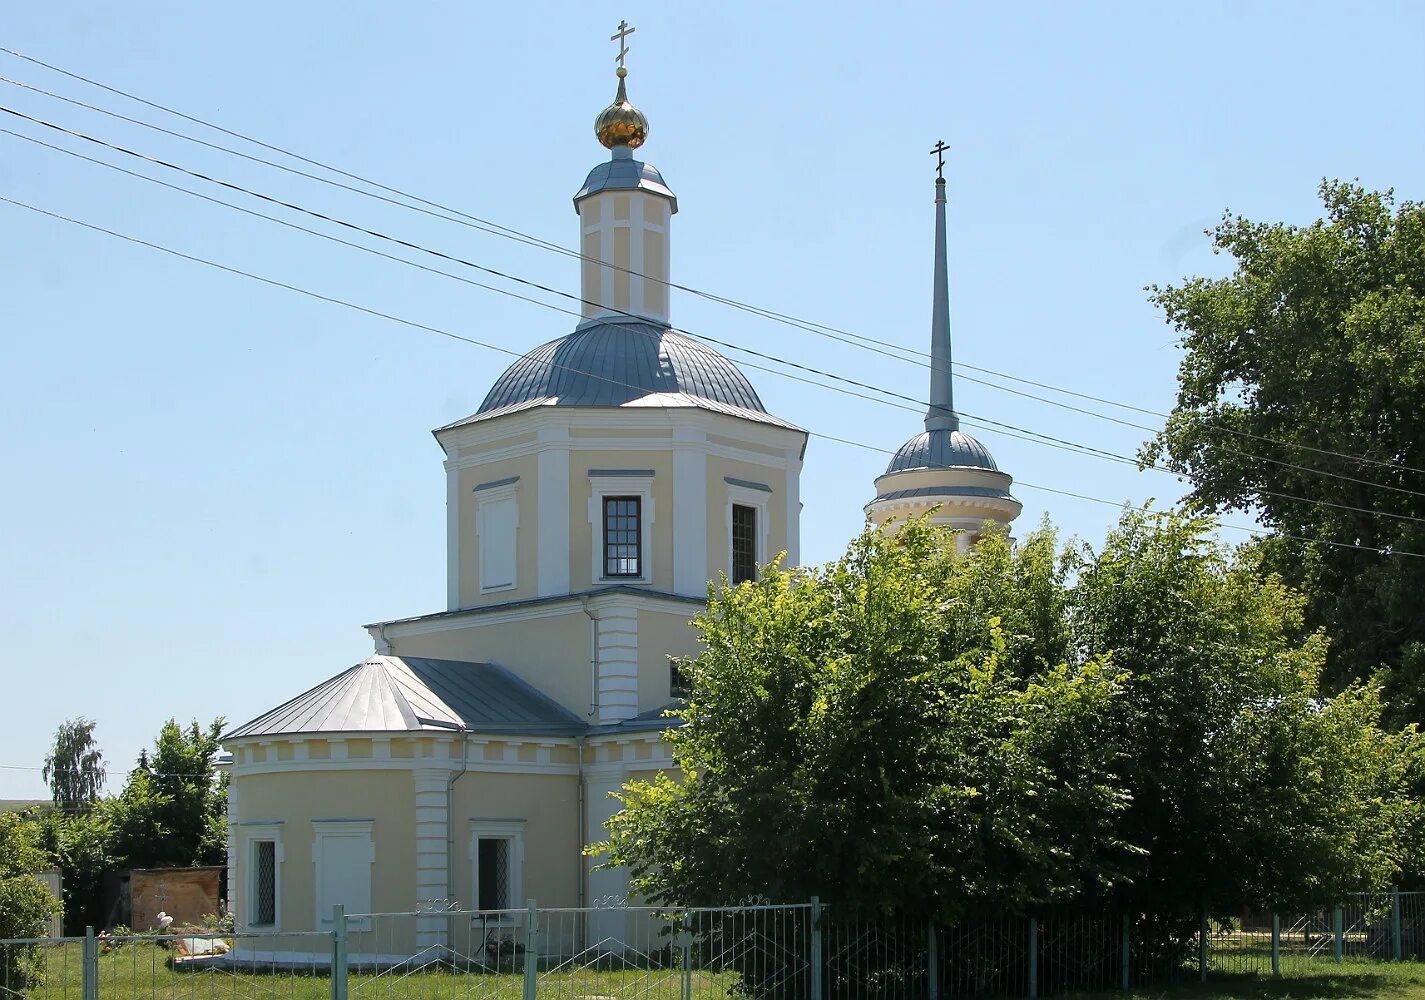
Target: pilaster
(432,857)
(618,663)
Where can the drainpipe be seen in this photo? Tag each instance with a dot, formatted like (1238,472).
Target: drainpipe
(593,661)
(450,821)
(580,826)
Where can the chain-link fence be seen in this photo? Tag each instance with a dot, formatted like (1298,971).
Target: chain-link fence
(793,952)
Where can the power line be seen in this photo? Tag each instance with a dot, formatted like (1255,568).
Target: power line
(919,404)
(987,423)
(493,228)
(975,420)
(273,282)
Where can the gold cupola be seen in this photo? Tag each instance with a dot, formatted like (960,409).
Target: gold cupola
(621,124)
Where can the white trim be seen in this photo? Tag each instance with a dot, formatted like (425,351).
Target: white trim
(452,535)
(616,486)
(252,834)
(690,512)
(657,421)
(491,767)
(481,617)
(552,512)
(431,856)
(511,830)
(758,500)
(343,829)
(503,497)
(794,510)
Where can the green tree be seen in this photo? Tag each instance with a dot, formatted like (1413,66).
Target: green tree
(79,844)
(896,730)
(25,903)
(1317,341)
(74,767)
(171,813)
(1247,786)
(907,729)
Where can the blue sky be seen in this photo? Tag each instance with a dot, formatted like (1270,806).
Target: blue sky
(213,484)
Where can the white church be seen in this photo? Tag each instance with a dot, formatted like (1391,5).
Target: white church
(607,477)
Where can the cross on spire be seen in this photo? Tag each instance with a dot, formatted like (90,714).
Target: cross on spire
(939,153)
(620,36)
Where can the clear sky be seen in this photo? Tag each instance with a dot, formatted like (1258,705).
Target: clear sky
(211,484)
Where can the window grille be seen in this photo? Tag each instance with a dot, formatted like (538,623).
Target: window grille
(264,883)
(744,543)
(623,536)
(493,876)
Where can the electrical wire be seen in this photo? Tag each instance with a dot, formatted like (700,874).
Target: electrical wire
(273,282)
(493,228)
(973,419)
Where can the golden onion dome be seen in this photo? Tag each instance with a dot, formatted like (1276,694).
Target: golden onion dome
(621,124)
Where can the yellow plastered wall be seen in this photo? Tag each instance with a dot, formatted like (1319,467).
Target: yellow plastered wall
(719,541)
(660,635)
(551,653)
(296,798)
(548,806)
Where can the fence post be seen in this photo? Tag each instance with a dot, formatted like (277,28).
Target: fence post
(816,960)
(90,986)
(932,961)
(1033,958)
(1338,928)
(685,948)
(1395,936)
(531,952)
(1276,945)
(1202,950)
(1124,942)
(339,951)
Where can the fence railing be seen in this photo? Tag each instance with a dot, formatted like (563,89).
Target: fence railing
(798,952)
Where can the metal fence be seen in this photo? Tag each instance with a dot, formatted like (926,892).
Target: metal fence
(797,952)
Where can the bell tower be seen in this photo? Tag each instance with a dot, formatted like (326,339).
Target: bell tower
(943,471)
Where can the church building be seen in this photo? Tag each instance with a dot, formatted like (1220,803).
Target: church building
(607,477)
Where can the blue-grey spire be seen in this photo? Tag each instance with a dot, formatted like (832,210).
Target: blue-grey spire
(941,415)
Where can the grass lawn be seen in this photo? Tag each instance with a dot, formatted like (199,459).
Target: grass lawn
(141,971)
(1351,979)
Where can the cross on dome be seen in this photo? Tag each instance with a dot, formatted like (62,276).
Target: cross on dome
(620,36)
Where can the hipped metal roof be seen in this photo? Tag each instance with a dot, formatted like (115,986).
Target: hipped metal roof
(416,694)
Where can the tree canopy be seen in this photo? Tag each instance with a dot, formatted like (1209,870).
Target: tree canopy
(25,903)
(910,729)
(1301,398)
(74,766)
(171,813)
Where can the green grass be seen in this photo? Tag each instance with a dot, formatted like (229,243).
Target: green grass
(1351,980)
(141,972)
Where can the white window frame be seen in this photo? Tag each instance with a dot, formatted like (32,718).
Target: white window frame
(511,830)
(344,828)
(761,501)
(505,489)
(636,483)
(251,835)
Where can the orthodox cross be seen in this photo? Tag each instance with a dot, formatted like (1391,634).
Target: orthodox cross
(939,153)
(619,36)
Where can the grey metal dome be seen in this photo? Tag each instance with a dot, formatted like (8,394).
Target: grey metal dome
(942,449)
(616,363)
(623,173)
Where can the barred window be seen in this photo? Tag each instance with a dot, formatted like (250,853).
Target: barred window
(744,543)
(492,874)
(623,536)
(264,883)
